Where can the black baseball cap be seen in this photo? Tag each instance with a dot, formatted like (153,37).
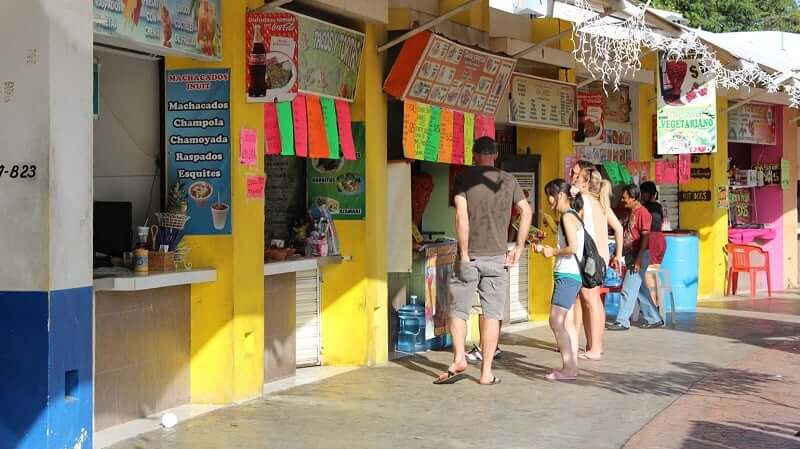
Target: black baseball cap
(484,145)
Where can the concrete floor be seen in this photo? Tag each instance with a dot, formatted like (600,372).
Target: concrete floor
(644,373)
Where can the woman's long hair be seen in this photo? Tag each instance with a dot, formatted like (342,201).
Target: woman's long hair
(599,187)
(556,186)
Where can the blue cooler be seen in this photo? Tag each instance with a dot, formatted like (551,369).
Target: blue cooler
(411,329)
(681,259)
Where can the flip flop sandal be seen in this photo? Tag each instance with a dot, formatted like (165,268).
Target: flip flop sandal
(558,377)
(495,381)
(450,379)
(583,356)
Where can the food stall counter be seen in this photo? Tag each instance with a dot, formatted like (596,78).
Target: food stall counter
(301,264)
(129,282)
(744,236)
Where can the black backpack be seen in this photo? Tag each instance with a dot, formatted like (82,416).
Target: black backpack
(593,267)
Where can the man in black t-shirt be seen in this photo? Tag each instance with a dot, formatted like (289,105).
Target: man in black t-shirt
(650,202)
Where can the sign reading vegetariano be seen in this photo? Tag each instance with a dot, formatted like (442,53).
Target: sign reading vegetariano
(330,57)
(189,27)
(198,146)
(433,70)
(687,108)
(752,123)
(339,184)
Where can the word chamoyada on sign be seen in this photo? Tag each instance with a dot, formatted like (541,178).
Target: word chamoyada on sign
(198,146)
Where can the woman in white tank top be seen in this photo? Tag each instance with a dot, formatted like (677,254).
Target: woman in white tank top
(597,217)
(566,275)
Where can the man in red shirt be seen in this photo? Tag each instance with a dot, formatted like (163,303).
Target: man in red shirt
(635,249)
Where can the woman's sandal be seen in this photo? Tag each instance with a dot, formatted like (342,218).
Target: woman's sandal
(556,375)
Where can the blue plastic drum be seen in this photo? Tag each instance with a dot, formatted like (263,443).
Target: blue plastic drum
(681,259)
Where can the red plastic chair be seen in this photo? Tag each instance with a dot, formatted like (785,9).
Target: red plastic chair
(740,261)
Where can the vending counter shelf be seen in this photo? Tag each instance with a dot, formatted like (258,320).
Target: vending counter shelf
(301,264)
(743,236)
(130,281)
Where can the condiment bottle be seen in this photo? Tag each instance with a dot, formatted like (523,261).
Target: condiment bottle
(140,260)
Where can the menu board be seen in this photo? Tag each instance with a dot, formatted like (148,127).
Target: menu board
(752,123)
(198,147)
(339,184)
(739,206)
(330,57)
(163,26)
(449,75)
(543,103)
(617,145)
(687,108)
(285,196)
(590,119)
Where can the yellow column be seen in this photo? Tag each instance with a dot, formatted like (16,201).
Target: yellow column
(227,327)
(476,17)
(790,200)
(354,294)
(710,222)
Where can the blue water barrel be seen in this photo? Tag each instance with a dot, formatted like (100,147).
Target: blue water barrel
(411,329)
(681,259)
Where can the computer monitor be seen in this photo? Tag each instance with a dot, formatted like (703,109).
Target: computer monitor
(113,221)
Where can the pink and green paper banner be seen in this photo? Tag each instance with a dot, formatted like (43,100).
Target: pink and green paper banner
(458,138)
(446,137)
(331,130)
(434,135)
(272,133)
(309,126)
(300,122)
(469,136)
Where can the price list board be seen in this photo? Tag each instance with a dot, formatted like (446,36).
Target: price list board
(543,103)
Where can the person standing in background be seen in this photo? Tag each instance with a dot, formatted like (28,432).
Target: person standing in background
(598,218)
(658,244)
(483,196)
(636,243)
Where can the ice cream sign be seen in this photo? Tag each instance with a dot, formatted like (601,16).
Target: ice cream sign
(187,27)
(198,147)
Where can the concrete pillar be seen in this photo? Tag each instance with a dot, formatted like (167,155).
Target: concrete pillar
(46,309)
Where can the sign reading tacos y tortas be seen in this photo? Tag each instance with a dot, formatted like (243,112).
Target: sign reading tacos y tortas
(189,27)
(330,57)
(198,146)
(339,184)
(687,108)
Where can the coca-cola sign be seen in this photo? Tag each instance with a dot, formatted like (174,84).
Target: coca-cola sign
(272,69)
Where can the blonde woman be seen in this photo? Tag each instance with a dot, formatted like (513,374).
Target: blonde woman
(599,217)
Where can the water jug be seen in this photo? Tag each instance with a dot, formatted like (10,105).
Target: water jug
(411,329)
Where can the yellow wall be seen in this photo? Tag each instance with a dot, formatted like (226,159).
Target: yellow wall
(354,294)
(790,199)
(227,327)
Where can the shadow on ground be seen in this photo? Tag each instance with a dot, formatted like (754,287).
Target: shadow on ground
(742,435)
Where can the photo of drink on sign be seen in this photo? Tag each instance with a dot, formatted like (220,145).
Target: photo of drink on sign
(271,56)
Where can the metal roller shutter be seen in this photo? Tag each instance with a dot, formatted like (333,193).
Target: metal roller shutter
(518,290)
(668,197)
(308,319)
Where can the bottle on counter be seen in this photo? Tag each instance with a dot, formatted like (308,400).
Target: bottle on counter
(140,259)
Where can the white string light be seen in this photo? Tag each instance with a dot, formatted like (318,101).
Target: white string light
(612,52)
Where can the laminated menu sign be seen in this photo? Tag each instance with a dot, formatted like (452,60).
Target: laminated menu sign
(543,103)
(449,75)
(271,45)
(590,119)
(339,183)
(687,108)
(198,146)
(330,57)
(190,28)
(752,123)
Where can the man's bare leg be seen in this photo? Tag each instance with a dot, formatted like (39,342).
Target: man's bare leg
(458,330)
(490,334)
